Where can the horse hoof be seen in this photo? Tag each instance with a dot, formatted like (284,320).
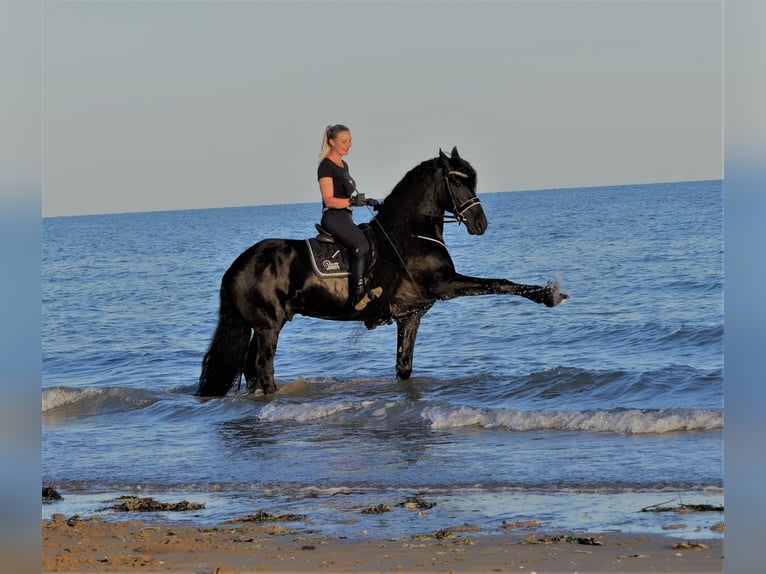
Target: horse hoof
(555,297)
(269,389)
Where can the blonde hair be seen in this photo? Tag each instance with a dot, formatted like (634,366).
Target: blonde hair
(330,133)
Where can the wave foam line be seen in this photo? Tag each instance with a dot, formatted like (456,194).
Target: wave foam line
(628,421)
(303,412)
(57,397)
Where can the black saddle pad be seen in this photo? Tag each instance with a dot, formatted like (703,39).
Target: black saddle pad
(330,259)
(327,259)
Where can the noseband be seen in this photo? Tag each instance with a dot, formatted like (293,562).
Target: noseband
(458,211)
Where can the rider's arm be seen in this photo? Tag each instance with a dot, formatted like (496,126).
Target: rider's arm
(326,186)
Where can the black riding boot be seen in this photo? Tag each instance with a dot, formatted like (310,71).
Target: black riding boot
(360,296)
(358,292)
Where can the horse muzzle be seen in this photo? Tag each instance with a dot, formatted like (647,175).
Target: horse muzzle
(475,220)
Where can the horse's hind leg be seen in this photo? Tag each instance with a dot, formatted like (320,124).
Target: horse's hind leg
(250,371)
(259,365)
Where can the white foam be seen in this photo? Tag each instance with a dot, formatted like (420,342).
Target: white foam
(61,396)
(94,398)
(631,421)
(304,412)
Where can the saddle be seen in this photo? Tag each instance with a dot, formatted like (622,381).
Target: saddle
(329,259)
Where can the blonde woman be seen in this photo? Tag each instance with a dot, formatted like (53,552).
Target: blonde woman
(339,195)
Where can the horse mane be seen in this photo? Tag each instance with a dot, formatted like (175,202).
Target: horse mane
(420,176)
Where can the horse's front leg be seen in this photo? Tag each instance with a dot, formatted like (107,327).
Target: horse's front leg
(463,285)
(406,332)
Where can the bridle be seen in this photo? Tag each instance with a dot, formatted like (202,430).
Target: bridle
(458,211)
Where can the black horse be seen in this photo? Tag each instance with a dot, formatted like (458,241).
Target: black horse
(274,279)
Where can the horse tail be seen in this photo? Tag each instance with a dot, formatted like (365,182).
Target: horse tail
(224,360)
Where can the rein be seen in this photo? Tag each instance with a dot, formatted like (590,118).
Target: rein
(396,251)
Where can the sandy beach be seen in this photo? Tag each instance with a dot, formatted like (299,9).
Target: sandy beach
(71,544)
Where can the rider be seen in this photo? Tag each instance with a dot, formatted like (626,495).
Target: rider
(339,195)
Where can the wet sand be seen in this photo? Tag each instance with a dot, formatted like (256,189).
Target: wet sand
(96,545)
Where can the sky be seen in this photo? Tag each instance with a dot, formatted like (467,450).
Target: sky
(164,105)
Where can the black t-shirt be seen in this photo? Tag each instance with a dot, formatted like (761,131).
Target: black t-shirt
(342,183)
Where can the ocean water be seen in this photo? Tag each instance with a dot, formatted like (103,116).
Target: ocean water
(577,416)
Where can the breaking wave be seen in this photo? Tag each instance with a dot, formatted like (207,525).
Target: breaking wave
(94,400)
(305,412)
(623,421)
(78,402)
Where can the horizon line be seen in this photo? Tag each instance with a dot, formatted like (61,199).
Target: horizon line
(137,211)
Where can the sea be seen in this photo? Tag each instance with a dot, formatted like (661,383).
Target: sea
(582,417)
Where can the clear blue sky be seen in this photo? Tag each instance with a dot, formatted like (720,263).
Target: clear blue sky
(178,105)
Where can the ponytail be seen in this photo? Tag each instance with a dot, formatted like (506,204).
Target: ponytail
(325,144)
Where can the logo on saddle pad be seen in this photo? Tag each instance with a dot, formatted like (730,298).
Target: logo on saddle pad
(329,265)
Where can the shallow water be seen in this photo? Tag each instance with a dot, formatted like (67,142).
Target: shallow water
(577,416)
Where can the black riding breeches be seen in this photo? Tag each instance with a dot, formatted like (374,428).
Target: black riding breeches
(340,223)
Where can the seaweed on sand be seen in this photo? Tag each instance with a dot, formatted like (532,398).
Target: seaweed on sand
(148,504)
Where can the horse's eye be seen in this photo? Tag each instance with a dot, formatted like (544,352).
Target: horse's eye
(457,183)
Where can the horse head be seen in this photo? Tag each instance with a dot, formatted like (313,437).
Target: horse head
(435,187)
(458,194)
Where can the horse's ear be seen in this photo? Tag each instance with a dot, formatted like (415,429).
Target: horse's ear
(454,153)
(444,159)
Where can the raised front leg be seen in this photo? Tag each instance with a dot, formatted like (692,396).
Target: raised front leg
(463,285)
(406,332)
